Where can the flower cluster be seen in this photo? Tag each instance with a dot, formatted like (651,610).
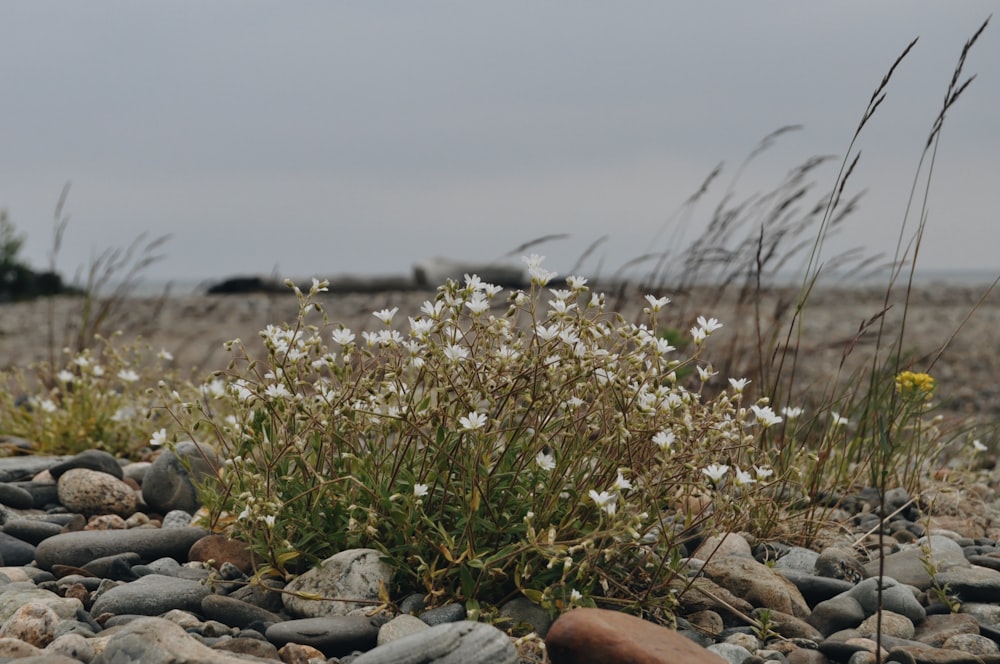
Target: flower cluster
(915,386)
(99,397)
(472,440)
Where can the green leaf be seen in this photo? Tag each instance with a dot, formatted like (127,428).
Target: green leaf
(472,610)
(532,594)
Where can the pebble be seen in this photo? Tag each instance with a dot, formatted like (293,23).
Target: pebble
(168,484)
(350,575)
(92,492)
(90,577)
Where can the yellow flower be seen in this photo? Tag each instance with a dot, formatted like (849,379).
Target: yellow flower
(915,386)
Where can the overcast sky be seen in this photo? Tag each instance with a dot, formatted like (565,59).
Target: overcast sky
(329,137)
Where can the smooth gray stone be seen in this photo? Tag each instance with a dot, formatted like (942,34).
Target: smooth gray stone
(42,493)
(31,531)
(335,636)
(973,583)
(815,589)
(799,559)
(522,610)
(235,612)
(168,484)
(152,595)
(79,548)
(909,565)
(448,613)
(159,641)
(117,566)
(450,643)
(402,625)
(352,574)
(15,496)
(26,467)
(731,652)
(176,519)
(15,552)
(848,609)
(98,460)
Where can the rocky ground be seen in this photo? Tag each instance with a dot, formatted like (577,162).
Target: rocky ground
(194,329)
(102,563)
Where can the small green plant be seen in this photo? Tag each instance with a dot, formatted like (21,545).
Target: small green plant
(550,451)
(105,397)
(941,591)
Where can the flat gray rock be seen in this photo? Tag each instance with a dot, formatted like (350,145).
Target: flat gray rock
(152,595)
(22,468)
(159,641)
(335,636)
(351,574)
(451,643)
(169,484)
(79,548)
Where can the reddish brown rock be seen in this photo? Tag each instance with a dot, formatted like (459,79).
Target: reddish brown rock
(296,653)
(597,636)
(219,549)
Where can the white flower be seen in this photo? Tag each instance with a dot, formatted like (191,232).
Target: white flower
(606,501)
(386,315)
(763,472)
(473,421)
(575,595)
(738,384)
(318,287)
(165,355)
(547,333)
(343,336)
(269,519)
(128,375)
(432,309)
(97,370)
(664,440)
(765,415)
(477,304)
(560,307)
(455,353)
(836,420)
(277,391)
(698,335)
(81,361)
(656,303)
(560,293)
(575,282)
(621,483)
(158,438)
(743,478)
(49,406)
(977,446)
(545,461)
(706,374)
(419,490)
(538,274)
(715,472)
(791,412)
(420,327)
(710,325)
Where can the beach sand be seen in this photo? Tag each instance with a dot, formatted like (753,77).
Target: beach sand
(194,329)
